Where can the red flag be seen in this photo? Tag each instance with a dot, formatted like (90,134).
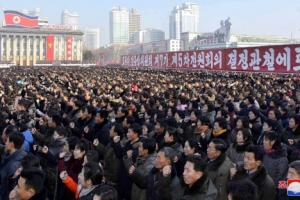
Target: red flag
(69,48)
(50,47)
(19,20)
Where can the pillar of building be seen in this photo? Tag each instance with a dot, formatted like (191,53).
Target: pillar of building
(27,51)
(34,51)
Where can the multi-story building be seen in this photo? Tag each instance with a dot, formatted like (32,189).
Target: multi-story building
(134,23)
(91,38)
(119,25)
(71,19)
(184,18)
(27,46)
(148,35)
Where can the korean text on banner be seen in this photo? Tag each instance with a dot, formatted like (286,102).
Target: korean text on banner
(69,47)
(50,47)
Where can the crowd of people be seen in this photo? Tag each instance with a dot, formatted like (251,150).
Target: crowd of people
(128,133)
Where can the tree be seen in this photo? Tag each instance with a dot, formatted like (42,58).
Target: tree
(88,56)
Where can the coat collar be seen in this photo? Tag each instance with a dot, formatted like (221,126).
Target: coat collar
(214,165)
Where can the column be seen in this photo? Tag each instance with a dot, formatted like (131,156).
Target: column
(79,50)
(34,50)
(7,47)
(21,49)
(41,47)
(27,51)
(59,47)
(14,49)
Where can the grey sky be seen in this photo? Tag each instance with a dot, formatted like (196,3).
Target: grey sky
(265,17)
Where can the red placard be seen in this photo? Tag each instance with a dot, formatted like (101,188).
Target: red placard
(274,59)
(19,20)
(69,47)
(50,47)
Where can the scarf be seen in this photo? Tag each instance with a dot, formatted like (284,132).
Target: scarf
(216,134)
(269,151)
(86,191)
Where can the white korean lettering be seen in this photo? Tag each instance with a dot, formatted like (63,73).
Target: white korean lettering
(232,59)
(142,60)
(244,59)
(255,60)
(146,60)
(297,68)
(193,59)
(209,59)
(200,61)
(150,60)
(156,62)
(180,59)
(166,60)
(218,59)
(269,59)
(284,58)
(174,59)
(161,58)
(186,59)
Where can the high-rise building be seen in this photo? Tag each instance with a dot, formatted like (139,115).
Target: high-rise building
(134,23)
(184,18)
(148,35)
(91,38)
(71,19)
(119,25)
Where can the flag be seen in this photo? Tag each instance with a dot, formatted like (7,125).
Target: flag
(69,47)
(17,19)
(50,47)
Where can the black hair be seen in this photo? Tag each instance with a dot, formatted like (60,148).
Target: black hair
(257,151)
(72,141)
(34,178)
(296,118)
(204,120)
(276,112)
(245,121)
(30,160)
(57,119)
(175,132)
(224,113)
(160,114)
(199,164)
(243,190)
(193,144)
(93,172)
(92,156)
(273,136)
(130,120)
(250,99)
(149,144)
(163,123)
(230,106)
(220,144)
(103,114)
(107,192)
(83,145)
(78,104)
(91,110)
(222,122)
(219,101)
(119,130)
(210,106)
(17,138)
(173,110)
(61,131)
(180,114)
(254,111)
(270,123)
(136,128)
(246,133)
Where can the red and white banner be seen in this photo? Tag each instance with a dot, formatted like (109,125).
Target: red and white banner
(15,19)
(50,47)
(69,47)
(279,58)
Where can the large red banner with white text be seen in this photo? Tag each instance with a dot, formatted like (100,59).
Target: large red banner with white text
(50,47)
(69,47)
(279,58)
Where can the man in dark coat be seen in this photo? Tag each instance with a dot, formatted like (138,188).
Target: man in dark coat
(11,160)
(150,182)
(253,169)
(160,130)
(125,185)
(195,183)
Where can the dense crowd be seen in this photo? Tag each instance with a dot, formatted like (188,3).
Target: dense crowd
(147,134)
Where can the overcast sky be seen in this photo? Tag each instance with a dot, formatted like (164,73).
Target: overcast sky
(264,17)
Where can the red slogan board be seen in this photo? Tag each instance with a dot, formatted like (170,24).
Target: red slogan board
(276,59)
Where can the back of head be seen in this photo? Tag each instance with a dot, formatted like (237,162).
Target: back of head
(92,156)
(149,144)
(30,160)
(106,192)
(93,172)
(17,138)
(243,190)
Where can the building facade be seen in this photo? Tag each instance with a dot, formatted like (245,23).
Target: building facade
(119,25)
(148,35)
(184,18)
(91,38)
(134,24)
(71,19)
(27,46)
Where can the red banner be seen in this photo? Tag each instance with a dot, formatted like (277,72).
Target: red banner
(17,19)
(280,58)
(50,47)
(69,47)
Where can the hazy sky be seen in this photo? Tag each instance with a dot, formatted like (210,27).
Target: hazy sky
(265,17)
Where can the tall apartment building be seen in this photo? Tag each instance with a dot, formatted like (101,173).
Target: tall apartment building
(68,18)
(134,23)
(119,25)
(184,18)
(91,38)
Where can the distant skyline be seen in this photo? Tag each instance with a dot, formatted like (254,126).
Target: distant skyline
(267,17)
